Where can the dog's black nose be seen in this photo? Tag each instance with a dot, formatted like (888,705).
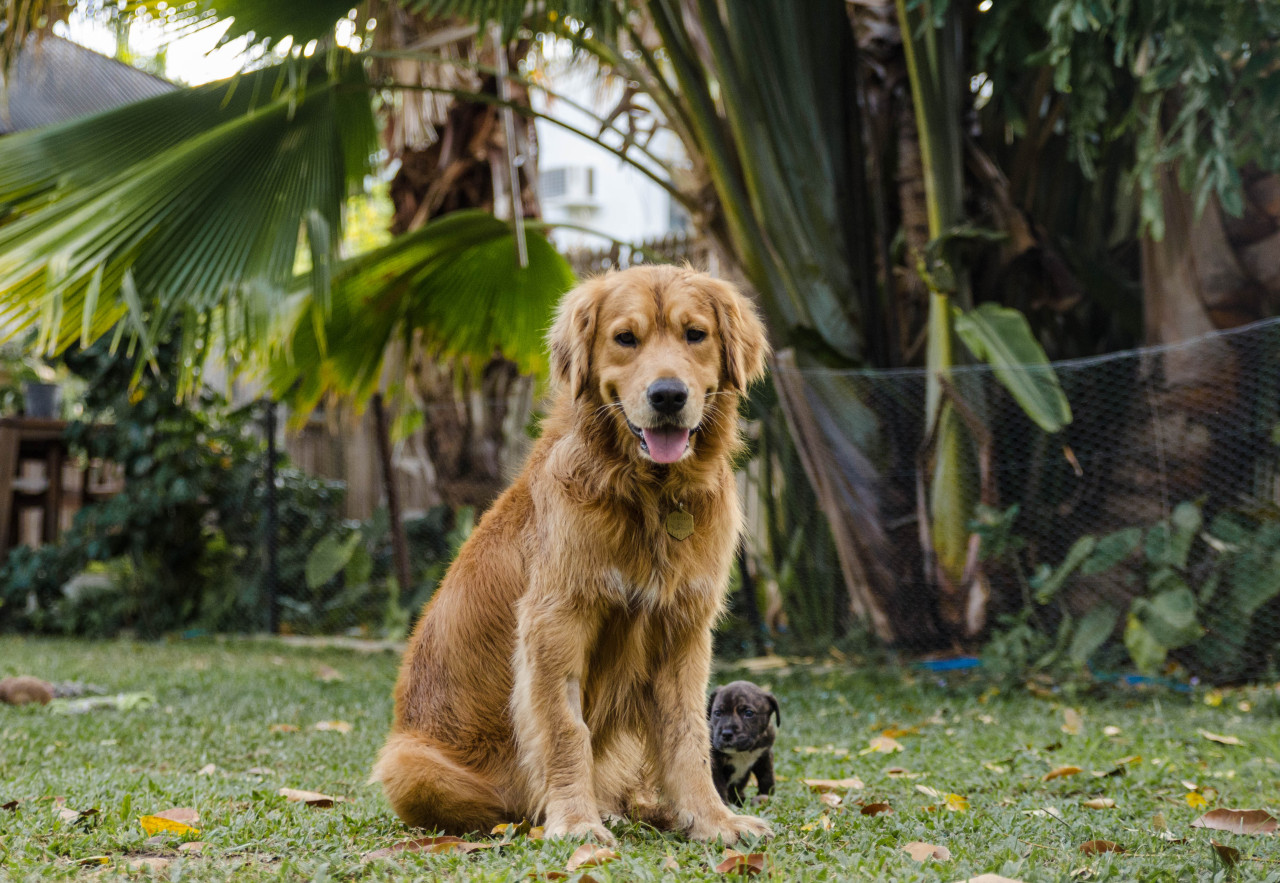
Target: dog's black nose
(667,395)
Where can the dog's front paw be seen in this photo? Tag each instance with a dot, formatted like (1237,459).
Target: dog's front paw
(579,830)
(728,827)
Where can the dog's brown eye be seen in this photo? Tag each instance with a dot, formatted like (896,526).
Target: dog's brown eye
(626,338)
(747,712)
(694,335)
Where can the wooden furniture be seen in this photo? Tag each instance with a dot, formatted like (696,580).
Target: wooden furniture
(36,473)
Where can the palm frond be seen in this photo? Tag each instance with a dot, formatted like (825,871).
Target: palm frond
(606,17)
(194,200)
(454,285)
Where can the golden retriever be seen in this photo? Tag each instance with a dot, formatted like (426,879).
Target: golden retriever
(560,671)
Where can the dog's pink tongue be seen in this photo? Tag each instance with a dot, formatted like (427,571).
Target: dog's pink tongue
(666,443)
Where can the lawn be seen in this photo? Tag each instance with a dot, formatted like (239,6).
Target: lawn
(964,767)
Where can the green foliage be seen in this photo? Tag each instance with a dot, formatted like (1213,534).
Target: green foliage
(455,284)
(1188,83)
(1002,338)
(1205,598)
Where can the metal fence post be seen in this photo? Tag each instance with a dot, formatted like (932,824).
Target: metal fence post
(273,610)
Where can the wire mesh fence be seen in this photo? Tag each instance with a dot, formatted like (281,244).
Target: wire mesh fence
(1144,536)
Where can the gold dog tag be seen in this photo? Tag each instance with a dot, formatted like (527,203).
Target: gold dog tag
(680,524)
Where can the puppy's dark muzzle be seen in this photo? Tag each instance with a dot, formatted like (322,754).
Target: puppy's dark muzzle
(733,741)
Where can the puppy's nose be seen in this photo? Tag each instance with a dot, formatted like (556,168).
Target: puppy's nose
(667,395)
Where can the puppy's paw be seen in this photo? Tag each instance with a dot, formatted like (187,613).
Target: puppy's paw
(578,830)
(728,827)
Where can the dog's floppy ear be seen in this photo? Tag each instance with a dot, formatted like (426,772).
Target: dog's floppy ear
(573,335)
(773,703)
(711,701)
(742,338)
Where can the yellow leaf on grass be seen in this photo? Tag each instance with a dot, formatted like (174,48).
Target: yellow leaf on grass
(1220,739)
(1059,773)
(922,852)
(899,732)
(957,803)
(821,785)
(1195,801)
(180,821)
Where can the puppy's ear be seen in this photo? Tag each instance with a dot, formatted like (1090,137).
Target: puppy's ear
(742,337)
(711,701)
(773,703)
(572,337)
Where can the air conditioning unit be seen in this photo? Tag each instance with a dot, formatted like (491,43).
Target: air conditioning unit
(568,186)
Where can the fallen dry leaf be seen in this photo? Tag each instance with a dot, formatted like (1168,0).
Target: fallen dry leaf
(831,799)
(589,855)
(930,792)
(310,798)
(180,820)
(193,847)
(11,806)
(1229,854)
(207,770)
(922,852)
(282,728)
(1111,731)
(332,726)
(434,845)
(988,878)
(150,864)
(1073,723)
(737,863)
(1060,772)
(1219,738)
(328,674)
(1237,821)
(823,785)
(670,864)
(876,809)
(1095,847)
(882,745)
(899,732)
(1098,803)
(895,772)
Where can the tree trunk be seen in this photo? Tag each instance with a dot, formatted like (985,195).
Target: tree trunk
(399,541)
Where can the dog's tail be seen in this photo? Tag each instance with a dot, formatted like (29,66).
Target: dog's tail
(429,789)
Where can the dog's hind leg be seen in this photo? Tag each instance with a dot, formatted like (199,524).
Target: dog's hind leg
(429,789)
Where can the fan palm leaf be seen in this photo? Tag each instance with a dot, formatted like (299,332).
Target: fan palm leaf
(190,203)
(454,285)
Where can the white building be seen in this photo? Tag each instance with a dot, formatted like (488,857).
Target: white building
(582,183)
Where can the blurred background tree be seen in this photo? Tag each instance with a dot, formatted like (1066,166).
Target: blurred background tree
(888,179)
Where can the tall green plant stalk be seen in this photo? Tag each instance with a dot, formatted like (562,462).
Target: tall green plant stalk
(932,45)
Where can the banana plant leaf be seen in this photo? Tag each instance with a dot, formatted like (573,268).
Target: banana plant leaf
(455,284)
(1002,338)
(188,205)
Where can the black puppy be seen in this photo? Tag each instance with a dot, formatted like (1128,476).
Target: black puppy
(742,737)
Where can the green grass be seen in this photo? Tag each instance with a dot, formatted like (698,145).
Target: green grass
(216,703)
